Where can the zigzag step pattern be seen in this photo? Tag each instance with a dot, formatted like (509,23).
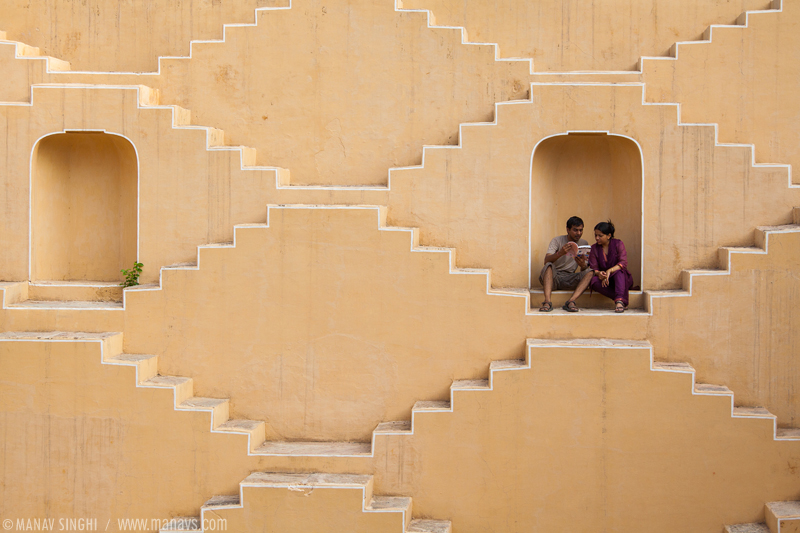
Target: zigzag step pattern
(777,513)
(147,367)
(726,254)
(26,51)
(741,22)
(216,406)
(303,482)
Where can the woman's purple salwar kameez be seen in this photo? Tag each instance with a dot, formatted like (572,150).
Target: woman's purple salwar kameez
(620,281)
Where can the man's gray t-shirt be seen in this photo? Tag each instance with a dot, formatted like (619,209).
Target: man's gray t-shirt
(565,263)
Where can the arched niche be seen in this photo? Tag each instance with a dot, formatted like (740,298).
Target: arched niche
(84,207)
(595,176)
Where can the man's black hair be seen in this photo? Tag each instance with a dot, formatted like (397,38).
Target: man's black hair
(574,221)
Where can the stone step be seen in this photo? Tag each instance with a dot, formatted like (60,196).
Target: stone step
(778,513)
(747,528)
(222,502)
(183,387)
(146,365)
(586,300)
(752,412)
(431,406)
(587,343)
(286,480)
(393,428)
(509,364)
(713,390)
(255,430)
(470,384)
(219,408)
(397,504)
(304,449)
(95,291)
(430,526)
(668,366)
(67,305)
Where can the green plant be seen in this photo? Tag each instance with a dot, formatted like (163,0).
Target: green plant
(132,275)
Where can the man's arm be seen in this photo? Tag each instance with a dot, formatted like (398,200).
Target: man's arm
(551,258)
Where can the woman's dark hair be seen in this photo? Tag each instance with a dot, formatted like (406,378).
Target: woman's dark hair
(606,228)
(574,221)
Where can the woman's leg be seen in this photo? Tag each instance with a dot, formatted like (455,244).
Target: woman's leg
(620,286)
(597,286)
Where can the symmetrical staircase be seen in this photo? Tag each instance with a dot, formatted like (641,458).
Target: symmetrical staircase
(406,206)
(738,79)
(239,513)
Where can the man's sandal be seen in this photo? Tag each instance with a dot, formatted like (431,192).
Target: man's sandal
(619,307)
(570,307)
(546,307)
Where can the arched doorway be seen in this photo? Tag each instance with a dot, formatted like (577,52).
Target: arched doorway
(595,176)
(84,202)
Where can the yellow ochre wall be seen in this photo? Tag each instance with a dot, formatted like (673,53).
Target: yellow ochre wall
(105,35)
(85,195)
(323,326)
(744,80)
(603,35)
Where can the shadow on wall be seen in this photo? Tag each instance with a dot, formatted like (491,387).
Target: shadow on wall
(84,207)
(594,176)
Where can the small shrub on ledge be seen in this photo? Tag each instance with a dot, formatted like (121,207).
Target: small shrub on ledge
(132,275)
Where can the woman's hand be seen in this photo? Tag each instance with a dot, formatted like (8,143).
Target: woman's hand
(606,277)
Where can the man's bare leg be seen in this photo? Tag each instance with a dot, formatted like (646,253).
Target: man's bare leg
(582,286)
(547,284)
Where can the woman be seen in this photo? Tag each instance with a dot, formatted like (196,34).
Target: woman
(609,260)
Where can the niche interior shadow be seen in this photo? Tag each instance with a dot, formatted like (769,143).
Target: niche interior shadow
(595,176)
(84,207)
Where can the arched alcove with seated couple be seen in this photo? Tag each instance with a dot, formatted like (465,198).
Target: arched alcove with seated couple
(595,176)
(84,207)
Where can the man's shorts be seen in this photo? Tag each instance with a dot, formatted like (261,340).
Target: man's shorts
(562,279)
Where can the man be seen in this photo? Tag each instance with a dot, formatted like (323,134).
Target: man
(564,271)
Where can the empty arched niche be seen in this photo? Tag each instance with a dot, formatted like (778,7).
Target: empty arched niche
(594,176)
(84,206)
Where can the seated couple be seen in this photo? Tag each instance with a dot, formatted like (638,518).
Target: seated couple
(605,269)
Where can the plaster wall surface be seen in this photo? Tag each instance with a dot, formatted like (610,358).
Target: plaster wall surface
(19,74)
(323,326)
(308,510)
(107,35)
(741,330)
(580,436)
(188,195)
(328,336)
(349,328)
(602,35)
(744,80)
(592,432)
(697,196)
(336,93)
(79,440)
